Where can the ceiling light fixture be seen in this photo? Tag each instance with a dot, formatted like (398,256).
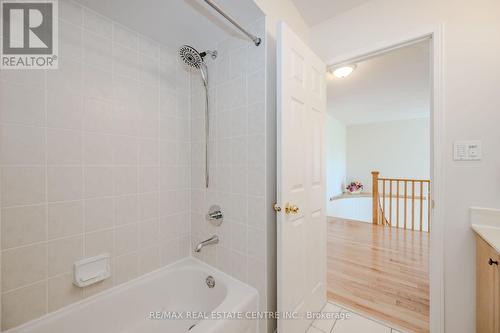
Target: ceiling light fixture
(342,71)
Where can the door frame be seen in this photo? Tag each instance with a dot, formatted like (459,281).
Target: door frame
(436,251)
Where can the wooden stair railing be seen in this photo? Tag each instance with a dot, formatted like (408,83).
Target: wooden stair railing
(382,201)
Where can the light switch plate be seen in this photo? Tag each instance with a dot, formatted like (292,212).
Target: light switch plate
(467,150)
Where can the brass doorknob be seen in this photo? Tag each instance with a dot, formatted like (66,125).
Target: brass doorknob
(291,209)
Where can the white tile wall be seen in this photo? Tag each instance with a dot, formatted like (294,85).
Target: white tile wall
(94,157)
(237,161)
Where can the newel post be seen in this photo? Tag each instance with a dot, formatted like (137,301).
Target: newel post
(375,196)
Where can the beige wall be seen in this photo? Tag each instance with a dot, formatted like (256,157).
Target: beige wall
(94,159)
(398,149)
(336,154)
(471,99)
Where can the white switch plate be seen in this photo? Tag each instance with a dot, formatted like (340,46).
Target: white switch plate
(467,150)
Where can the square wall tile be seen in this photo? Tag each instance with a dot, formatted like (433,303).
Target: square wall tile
(67,78)
(126,268)
(65,219)
(97,50)
(64,183)
(70,41)
(126,209)
(99,242)
(64,147)
(148,233)
(24,265)
(99,214)
(23,305)
(71,12)
(97,23)
(149,259)
(126,239)
(65,111)
(22,185)
(22,145)
(98,181)
(23,225)
(15,108)
(98,149)
(98,113)
(125,37)
(149,206)
(125,180)
(63,253)
(63,292)
(97,85)
(125,150)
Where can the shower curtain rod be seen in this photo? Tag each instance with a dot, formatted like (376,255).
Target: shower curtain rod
(254,38)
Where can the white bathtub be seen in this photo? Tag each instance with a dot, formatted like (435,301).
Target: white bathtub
(178,287)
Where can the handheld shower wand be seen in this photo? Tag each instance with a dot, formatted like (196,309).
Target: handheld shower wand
(194,59)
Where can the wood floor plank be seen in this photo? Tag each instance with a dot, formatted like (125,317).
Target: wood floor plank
(381,272)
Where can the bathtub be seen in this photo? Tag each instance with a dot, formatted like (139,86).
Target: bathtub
(144,304)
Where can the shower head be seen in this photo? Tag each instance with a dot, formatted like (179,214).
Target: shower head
(190,56)
(193,58)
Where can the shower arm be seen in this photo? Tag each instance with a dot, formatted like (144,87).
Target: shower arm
(219,10)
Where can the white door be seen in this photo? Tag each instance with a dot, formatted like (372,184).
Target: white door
(301,228)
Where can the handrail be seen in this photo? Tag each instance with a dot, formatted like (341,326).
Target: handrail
(406,179)
(419,192)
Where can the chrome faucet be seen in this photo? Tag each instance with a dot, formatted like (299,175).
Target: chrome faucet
(212,240)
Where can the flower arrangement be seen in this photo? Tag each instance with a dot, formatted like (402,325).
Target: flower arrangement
(354,187)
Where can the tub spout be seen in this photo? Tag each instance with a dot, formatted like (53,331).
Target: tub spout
(212,240)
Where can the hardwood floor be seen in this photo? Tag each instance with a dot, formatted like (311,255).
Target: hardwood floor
(379,271)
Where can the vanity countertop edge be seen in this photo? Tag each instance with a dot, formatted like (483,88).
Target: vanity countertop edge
(486,224)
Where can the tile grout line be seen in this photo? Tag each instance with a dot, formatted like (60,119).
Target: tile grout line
(46,204)
(83,292)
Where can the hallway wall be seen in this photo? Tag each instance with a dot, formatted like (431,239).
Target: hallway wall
(398,149)
(471,99)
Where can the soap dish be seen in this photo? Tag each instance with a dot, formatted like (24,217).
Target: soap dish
(91,270)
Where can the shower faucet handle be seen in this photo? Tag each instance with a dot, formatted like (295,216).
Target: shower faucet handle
(215,215)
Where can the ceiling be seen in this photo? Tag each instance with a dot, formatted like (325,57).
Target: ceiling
(392,86)
(177,22)
(317,11)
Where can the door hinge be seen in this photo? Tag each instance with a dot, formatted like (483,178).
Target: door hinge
(276,208)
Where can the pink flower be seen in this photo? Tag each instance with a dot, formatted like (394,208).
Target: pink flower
(354,186)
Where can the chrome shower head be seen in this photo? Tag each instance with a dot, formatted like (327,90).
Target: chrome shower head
(193,58)
(190,56)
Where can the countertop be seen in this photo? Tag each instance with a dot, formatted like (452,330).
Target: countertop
(486,223)
(491,235)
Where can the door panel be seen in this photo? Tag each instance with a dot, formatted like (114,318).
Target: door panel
(301,180)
